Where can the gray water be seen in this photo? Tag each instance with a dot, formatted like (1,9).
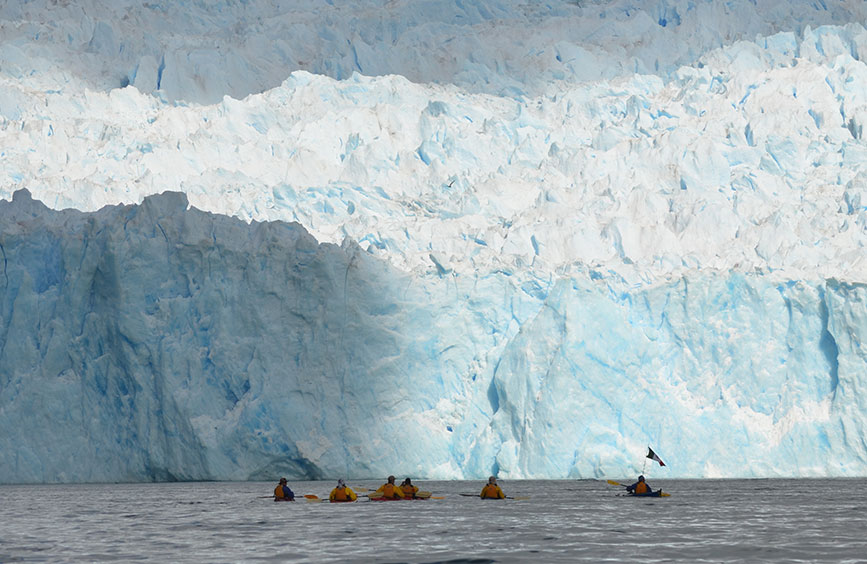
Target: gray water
(563,521)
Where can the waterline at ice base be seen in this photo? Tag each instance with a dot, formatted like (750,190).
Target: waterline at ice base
(531,256)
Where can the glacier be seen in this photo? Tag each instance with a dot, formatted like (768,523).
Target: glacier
(242,241)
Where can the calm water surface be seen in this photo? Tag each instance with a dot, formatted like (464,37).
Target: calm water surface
(563,521)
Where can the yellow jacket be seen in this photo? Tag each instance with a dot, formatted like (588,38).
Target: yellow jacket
(408,491)
(342,494)
(492,491)
(389,490)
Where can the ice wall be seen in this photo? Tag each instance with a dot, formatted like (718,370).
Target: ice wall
(202,51)
(754,161)
(439,246)
(158,342)
(748,377)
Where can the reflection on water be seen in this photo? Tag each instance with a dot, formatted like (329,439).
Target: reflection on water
(563,521)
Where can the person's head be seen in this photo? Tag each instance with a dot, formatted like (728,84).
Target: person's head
(391,479)
(407,482)
(341,483)
(492,480)
(641,478)
(282,480)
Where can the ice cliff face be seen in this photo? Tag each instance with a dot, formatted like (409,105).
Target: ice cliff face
(157,342)
(533,254)
(201,51)
(160,342)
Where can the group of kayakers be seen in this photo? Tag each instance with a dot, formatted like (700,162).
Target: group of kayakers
(406,490)
(388,490)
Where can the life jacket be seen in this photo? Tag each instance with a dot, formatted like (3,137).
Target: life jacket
(340,494)
(641,488)
(408,491)
(390,490)
(278,491)
(491,491)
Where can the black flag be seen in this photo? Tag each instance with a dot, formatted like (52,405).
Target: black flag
(652,455)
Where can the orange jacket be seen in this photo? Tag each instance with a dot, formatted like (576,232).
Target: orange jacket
(492,491)
(342,494)
(389,490)
(641,488)
(280,492)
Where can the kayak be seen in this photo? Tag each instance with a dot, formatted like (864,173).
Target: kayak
(657,493)
(342,500)
(517,498)
(418,495)
(283,499)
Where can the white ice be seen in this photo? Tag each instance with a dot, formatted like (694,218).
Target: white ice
(543,237)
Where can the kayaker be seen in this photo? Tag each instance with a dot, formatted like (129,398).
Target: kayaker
(282,492)
(389,490)
(640,487)
(492,490)
(408,489)
(342,493)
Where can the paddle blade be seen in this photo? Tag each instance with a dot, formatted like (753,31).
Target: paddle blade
(613,483)
(663,494)
(311,496)
(423,495)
